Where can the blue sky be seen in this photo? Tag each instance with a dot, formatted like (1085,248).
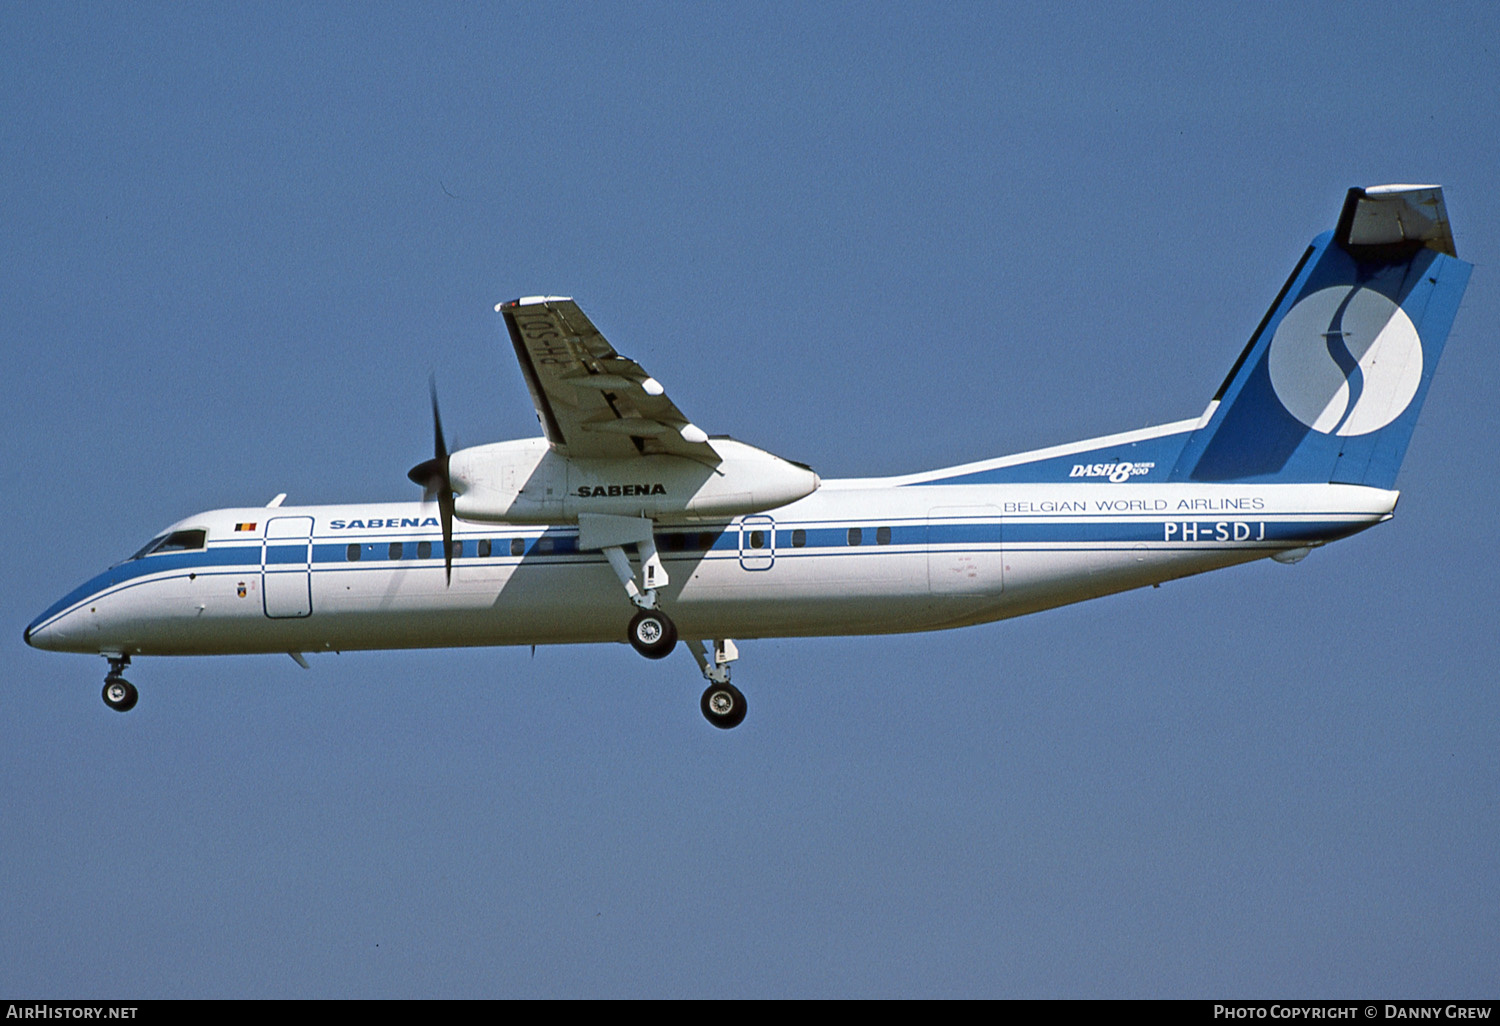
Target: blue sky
(236,241)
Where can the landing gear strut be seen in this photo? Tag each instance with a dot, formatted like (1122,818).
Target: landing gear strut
(119,694)
(652,632)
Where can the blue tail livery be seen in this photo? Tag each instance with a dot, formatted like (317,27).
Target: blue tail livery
(1330,385)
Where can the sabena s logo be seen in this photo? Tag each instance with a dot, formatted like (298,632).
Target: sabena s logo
(1346,360)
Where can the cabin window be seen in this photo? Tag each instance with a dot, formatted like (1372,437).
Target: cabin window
(394,552)
(882,536)
(518,546)
(484,548)
(352,552)
(424,550)
(799,538)
(856,536)
(757,539)
(458,548)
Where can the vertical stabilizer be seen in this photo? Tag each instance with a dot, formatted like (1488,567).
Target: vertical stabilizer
(1329,387)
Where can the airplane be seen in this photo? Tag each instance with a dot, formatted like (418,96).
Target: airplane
(625,505)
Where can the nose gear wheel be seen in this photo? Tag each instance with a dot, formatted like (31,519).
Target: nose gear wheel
(119,694)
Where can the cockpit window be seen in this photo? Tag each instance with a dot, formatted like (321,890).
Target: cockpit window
(177,541)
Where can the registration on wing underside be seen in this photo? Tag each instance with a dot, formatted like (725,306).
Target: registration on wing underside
(592,401)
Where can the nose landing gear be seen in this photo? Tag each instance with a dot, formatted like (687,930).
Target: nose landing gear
(119,694)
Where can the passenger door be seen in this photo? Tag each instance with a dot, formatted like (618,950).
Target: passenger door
(757,543)
(286,567)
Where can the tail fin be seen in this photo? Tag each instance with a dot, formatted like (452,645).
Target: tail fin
(1329,387)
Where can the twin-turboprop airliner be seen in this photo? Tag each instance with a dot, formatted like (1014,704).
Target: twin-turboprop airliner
(625,505)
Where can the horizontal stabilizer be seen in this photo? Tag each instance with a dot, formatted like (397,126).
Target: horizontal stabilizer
(1391,222)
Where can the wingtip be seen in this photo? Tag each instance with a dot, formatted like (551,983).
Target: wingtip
(532,301)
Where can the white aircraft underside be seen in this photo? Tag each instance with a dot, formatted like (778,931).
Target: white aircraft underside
(623,502)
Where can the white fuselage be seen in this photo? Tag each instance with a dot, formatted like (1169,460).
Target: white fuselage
(854,557)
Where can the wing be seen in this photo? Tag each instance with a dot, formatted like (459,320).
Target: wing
(592,401)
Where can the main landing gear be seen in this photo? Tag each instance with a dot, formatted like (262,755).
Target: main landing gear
(722,703)
(723,706)
(652,632)
(119,694)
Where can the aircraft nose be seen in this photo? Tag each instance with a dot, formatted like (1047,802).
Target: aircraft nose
(49,637)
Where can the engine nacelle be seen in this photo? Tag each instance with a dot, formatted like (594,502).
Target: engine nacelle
(525,482)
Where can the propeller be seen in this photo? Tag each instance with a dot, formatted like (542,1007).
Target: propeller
(436,481)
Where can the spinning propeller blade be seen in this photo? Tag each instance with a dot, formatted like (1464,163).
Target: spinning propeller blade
(435,480)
